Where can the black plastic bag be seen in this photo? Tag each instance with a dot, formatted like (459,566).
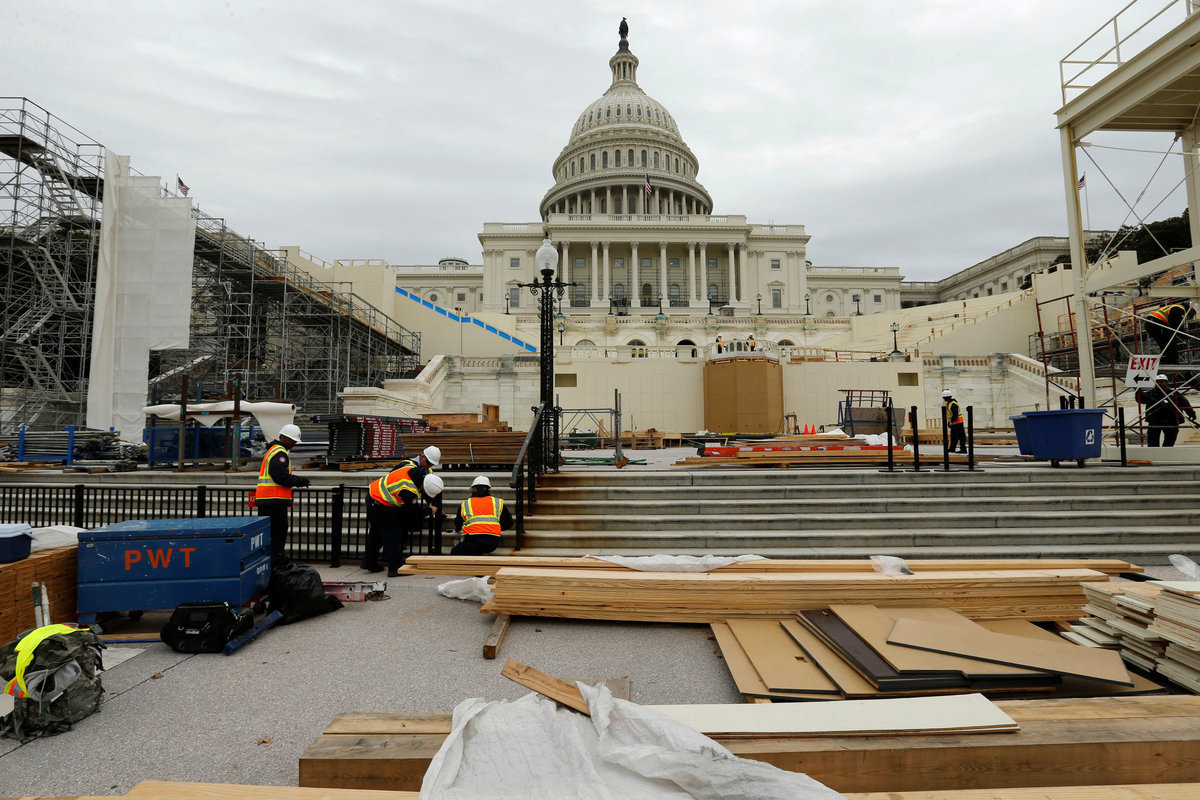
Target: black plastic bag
(297,593)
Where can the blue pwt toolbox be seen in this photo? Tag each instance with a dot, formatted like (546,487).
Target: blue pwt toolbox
(158,564)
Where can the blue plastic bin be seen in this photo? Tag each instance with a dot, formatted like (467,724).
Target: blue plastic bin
(158,564)
(1072,434)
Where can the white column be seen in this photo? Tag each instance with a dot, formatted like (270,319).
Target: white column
(732,274)
(624,199)
(635,293)
(564,263)
(694,289)
(662,270)
(704,271)
(595,272)
(608,200)
(742,272)
(607,274)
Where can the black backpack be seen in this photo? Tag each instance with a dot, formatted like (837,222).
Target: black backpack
(204,627)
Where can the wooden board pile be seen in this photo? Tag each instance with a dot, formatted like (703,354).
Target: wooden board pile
(1154,625)
(1034,594)
(459,448)
(489,565)
(1112,744)
(862,651)
(58,569)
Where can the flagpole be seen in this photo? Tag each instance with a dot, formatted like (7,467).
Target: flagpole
(1087,208)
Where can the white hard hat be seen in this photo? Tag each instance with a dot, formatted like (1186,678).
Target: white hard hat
(433,485)
(433,454)
(946,393)
(482,480)
(1161,378)
(292,432)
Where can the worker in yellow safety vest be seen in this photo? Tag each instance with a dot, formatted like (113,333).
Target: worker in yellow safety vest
(273,494)
(954,417)
(481,518)
(1165,326)
(398,505)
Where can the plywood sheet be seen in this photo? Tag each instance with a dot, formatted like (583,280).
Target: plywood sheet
(1022,651)
(845,676)
(748,681)
(904,715)
(779,661)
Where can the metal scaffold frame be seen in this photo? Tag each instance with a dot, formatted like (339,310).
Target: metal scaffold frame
(256,319)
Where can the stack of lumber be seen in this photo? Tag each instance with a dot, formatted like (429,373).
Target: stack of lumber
(1120,617)
(819,456)
(488,565)
(58,569)
(460,448)
(1105,743)
(1035,594)
(1177,620)
(862,651)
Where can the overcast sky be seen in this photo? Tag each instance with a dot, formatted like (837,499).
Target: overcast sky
(917,134)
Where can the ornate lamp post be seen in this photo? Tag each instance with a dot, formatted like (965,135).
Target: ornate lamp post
(506,302)
(562,327)
(547,291)
(758,297)
(807,309)
(895,347)
(660,304)
(610,303)
(857,309)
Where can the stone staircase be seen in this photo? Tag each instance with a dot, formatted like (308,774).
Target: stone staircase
(1141,514)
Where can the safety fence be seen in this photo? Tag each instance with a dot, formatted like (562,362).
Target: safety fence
(325,524)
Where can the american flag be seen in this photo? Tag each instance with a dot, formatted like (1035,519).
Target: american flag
(649,188)
(1082,181)
(181,186)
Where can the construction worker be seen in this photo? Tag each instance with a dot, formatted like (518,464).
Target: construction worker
(395,509)
(273,495)
(954,416)
(1165,410)
(480,518)
(1165,324)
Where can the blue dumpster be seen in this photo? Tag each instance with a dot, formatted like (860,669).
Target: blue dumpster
(1071,434)
(158,564)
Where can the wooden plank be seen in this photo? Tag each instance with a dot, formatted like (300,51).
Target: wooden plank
(171,790)
(555,688)
(1153,791)
(368,762)
(782,664)
(971,713)
(1020,651)
(748,681)
(491,645)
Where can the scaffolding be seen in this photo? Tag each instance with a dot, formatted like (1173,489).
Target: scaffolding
(257,321)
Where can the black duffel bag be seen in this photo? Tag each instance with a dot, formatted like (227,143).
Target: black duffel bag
(204,627)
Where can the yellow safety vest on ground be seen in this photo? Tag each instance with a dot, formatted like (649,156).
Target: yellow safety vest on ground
(387,489)
(25,648)
(267,488)
(481,515)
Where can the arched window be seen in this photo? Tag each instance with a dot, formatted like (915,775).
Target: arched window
(786,343)
(712,291)
(593,162)
(608,113)
(619,293)
(638,348)
(581,164)
(643,158)
(585,344)
(618,111)
(656,159)
(647,292)
(631,157)
(639,111)
(829,314)
(616,158)
(572,169)
(674,293)
(604,160)
(676,166)
(581,295)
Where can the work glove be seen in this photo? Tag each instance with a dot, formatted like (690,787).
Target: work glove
(304,482)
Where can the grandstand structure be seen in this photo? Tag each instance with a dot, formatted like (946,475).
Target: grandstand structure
(256,321)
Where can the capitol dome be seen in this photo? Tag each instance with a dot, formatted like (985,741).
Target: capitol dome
(618,143)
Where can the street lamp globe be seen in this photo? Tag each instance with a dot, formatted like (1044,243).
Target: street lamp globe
(546,257)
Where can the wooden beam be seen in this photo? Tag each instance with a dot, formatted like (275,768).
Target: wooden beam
(496,637)
(555,688)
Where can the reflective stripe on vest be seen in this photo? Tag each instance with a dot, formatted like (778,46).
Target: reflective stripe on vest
(387,489)
(24,651)
(481,515)
(954,413)
(267,488)
(1165,312)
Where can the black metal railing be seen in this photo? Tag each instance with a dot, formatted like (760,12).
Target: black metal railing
(539,454)
(325,524)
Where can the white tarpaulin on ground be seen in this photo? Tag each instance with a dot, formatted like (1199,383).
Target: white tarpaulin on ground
(531,749)
(143,293)
(271,416)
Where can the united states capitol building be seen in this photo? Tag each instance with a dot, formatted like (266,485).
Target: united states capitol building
(661,286)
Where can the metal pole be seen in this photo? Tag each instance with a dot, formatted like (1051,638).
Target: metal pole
(1121,435)
(945,439)
(971,437)
(890,421)
(912,416)
(617,423)
(338,507)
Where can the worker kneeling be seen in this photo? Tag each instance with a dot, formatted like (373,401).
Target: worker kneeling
(481,518)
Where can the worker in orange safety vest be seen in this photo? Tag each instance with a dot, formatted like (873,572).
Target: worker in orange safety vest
(481,518)
(398,506)
(954,417)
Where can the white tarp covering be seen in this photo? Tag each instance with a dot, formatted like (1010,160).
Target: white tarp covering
(143,293)
(271,416)
(530,749)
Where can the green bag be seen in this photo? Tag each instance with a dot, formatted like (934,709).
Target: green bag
(63,684)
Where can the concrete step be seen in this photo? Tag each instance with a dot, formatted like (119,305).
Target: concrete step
(750,540)
(551,495)
(691,505)
(850,521)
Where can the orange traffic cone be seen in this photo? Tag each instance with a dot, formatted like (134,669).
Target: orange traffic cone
(807,430)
